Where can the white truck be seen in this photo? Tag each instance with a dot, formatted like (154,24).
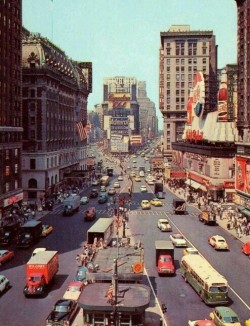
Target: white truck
(71,205)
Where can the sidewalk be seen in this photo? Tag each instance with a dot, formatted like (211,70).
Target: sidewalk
(221,222)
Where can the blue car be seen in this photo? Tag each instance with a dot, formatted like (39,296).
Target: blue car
(81,274)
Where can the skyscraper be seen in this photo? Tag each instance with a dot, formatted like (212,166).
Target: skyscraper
(183,52)
(10,104)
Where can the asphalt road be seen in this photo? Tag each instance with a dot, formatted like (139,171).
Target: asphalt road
(181,300)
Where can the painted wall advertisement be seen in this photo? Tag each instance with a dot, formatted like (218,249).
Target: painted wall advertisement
(119,100)
(242,174)
(119,125)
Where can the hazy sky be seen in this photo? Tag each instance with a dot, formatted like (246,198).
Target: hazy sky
(122,37)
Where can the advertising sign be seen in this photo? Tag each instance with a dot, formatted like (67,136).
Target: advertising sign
(119,125)
(242,174)
(119,100)
(199,94)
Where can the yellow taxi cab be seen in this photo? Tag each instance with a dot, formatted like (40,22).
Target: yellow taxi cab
(145,204)
(190,251)
(137,178)
(156,202)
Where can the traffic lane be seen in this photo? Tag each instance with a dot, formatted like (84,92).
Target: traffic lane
(170,290)
(231,264)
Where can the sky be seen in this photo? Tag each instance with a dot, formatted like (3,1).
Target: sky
(122,37)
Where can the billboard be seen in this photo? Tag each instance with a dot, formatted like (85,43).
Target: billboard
(119,100)
(242,174)
(119,125)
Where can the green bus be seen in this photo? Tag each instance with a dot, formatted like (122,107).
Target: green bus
(211,286)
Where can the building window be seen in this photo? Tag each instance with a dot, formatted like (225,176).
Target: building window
(7,154)
(195,68)
(177,85)
(190,68)
(204,69)
(168,77)
(177,61)
(182,77)
(16,184)
(177,92)
(177,77)
(190,61)
(182,84)
(168,51)
(32,93)
(32,164)
(168,62)
(178,107)
(7,186)
(16,152)
(16,168)
(177,68)
(190,77)
(195,61)
(7,170)
(168,84)
(204,51)
(204,60)
(168,107)
(168,69)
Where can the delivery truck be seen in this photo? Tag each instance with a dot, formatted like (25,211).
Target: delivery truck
(9,233)
(164,254)
(29,233)
(71,205)
(158,187)
(40,271)
(179,206)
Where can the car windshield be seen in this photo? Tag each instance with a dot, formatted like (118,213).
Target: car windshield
(165,259)
(218,289)
(73,288)
(231,320)
(221,241)
(60,308)
(178,236)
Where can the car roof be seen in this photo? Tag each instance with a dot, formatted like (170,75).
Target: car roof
(3,251)
(218,237)
(163,220)
(75,283)
(63,302)
(226,311)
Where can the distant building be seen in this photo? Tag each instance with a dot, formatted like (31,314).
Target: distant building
(183,52)
(55,93)
(10,105)
(147,113)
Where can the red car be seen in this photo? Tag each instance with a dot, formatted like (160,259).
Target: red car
(201,323)
(5,255)
(246,248)
(90,214)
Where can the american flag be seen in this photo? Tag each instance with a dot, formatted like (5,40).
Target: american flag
(80,126)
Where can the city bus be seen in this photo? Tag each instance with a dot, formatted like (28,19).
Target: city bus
(110,172)
(211,286)
(102,229)
(104,181)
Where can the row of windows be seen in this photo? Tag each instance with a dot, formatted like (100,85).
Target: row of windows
(8,169)
(7,186)
(183,62)
(181,51)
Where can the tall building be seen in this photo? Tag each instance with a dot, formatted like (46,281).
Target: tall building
(242,160)
(55,93)
(10,104)
(243,121)
(183,52)
(121,113)
(147,113)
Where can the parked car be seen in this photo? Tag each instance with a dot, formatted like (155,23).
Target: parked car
(46,230)
(145,204)
(6,255)
(120,178)
(73,291)
(246,248)
(137,178)
(102,199)
(89,214)
(93,193)
(84,200)
(163,225)
(4,283)
(224,316)
(81,274)
(111,191)
(178,240)
(63,313)
(218,242)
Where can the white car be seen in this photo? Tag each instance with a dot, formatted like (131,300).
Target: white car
(178,240)
(120,178)
(150,182)
(143,189)
(84,200)
(117,184)
(4,283)
(163,225)
(218,242)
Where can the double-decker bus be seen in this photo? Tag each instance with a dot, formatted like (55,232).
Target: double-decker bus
(211,286)
(104,181)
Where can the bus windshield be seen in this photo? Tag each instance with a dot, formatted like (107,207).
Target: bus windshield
(218,289)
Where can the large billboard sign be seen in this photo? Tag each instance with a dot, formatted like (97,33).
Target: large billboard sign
(242,174)
(119,100)
(119,125)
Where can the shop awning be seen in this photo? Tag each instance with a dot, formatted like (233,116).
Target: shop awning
(193,184)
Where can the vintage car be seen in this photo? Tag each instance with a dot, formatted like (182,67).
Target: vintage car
(89,214)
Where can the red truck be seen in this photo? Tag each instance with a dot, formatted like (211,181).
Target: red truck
(164,252)
(40,270)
